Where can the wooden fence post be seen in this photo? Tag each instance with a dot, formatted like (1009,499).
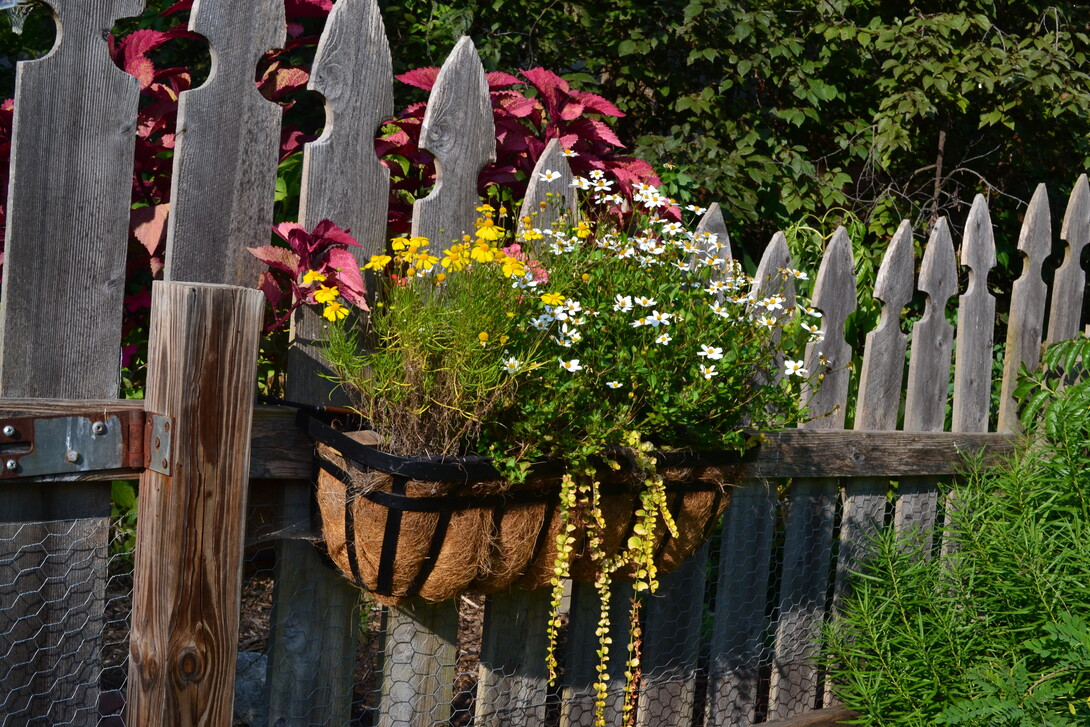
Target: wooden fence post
(202,355)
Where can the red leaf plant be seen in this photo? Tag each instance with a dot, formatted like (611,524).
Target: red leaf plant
(315,267)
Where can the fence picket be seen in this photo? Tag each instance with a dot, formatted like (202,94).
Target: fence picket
(749,525)
(546,201)
(1065,309)
(928,379)
(315,621)
(812,502)
(577,693)
(459,131)
(1027,306)
(418,668)
(225,156)
(513,683)
(976,317)
(878,403)
(67,227)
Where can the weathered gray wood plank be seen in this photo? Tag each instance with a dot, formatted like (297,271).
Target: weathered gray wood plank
(60,333)
(512,685)
(312,645)
(549,200)
(671,645)
(928,380)
(877,407)
(711,223)
(418,668)
(812,503)
(458,129)
(976,317)
(741,625)
(225,155)
(1065,310)
(1027,314)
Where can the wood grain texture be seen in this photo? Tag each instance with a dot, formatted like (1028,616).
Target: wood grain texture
(226,150)
(928,379)
(512,684)
(576,693)
(548,201)
(459,131)
(828,717)
(738,647)
(976,318)
(202,358)
(812,502)
(418,670)
(312,644)
(673,618)
(1065,310)
(60,332)
(1027,314)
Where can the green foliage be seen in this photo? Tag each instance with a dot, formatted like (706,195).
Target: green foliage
(996,629)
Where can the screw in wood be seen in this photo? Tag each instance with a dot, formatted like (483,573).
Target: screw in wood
(98,428)
(11,465)
(9,431)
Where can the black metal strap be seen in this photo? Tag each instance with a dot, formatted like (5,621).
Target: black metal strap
(384,585)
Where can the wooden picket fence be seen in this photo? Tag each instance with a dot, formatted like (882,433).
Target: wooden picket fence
(798,523)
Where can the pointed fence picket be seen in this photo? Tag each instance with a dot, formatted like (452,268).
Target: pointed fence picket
(795,529)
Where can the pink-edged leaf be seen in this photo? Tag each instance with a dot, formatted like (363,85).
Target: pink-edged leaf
(278,258)
(268,285)
(149,226)
(348,275)
(143,69)
(420,77)
(156,265)
(285,229)
(546,81)
(499,79)
(307,8)
(288,79)
(642,171)
(595,130)
(571,111)
(521,107)
(596,103)
(291,141)
(331,234)
(568,141)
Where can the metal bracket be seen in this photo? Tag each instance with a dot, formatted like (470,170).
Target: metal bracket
(31,446)
(159,443)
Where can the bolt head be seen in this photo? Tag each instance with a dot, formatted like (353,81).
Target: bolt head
(11,465)
(9,431)
(99,428)
(72,456)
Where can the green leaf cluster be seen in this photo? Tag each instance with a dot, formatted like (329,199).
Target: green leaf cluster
(992,629)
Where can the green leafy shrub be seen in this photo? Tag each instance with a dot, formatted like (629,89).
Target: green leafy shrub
(995,628)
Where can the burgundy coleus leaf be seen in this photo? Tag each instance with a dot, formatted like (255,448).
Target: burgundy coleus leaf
(292,140)
(572,111)
(346,269)
(594,130)
(140,300)
(178,7)
(499,79)
(596,103)
(553,88)
(420,77)
(520,107)
(329,234)
(278,258)
(128,353)
(280,80)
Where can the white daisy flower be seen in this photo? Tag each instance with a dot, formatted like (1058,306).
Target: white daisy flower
(711,352)
(708,371)
(622,303)
(794,368)
(613,384)
(570,153)
(572,365)
(512,365)
(644,301)
(664,339)
(549,175)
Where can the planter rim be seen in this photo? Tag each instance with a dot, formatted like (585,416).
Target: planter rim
(474,468)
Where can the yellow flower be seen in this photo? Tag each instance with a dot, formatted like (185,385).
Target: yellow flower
(335,311)
(486,208)
(326,294)
(585,277)
(483,252)
(378,262)
(399,243)
(503,340)
(552,298)
(425,261)
(454,258)
(312,276)
(440,277)
(582,231)
(488,230)
(512,266)
(483,337)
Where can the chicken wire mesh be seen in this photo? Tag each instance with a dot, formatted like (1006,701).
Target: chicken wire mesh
(715,642)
